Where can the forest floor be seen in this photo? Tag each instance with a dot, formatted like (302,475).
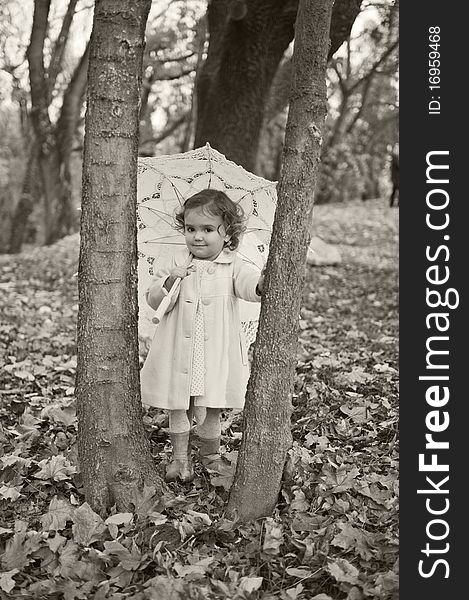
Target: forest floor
(334,533)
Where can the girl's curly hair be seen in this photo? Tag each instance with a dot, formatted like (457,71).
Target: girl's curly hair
(217,203)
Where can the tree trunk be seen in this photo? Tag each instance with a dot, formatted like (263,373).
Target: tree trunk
(201,36)
(42,126)
(66,129)
(47,174)
(267,435)
(243,56)
(113,449)
(242,59)
(25,205)
(58,51)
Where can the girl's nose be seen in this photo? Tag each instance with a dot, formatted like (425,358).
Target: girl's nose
(198,235)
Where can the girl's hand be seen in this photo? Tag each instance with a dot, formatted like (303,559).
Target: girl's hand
(178,273)
(260,283)
(181,272)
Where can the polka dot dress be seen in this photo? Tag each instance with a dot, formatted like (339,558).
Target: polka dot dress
(198,356)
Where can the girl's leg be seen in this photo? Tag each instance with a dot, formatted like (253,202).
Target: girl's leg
(209,432)
(180,466)
(210,428)
(178,421)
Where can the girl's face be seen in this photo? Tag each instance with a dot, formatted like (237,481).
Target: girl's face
(205,233)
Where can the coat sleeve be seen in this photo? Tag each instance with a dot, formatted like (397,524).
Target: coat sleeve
(245,278)
(156,290)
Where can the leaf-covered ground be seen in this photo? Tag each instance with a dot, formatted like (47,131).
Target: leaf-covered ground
(334,534)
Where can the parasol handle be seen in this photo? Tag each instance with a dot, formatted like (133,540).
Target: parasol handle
(162,308)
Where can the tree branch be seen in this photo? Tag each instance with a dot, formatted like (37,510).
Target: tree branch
(375,66)
(59,46)
(365,92)
(169,129)
(71,105)
(37,74)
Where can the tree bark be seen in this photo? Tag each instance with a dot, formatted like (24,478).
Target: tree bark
(24,208)
(243,56)
(242,59)
(267,435)
(42,126)
(114,452)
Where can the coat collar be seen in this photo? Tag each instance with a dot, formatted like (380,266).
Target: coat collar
(226,256)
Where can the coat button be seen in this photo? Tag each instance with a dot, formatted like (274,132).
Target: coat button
(206,301)
(206,336)
(211,270)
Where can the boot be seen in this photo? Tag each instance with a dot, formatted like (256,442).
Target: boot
(180,466)
(209,450)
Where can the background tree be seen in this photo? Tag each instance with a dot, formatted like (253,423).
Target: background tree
(47,175)
(362,124)
(175,41)
(114,452)
(40,205)
(13,115)
(267,435)
(247,42)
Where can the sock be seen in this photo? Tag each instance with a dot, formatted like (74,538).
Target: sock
(190,411)
(210,428)
(200,412)
(178,421)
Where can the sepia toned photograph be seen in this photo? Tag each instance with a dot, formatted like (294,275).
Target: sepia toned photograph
(199,300)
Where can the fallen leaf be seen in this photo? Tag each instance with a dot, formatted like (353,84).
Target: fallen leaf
(184,570)
(69,559)
(8,492)
(339,479)
(273,537)
(299,501)
(352,538)
(294,592)
(56,542)
(60,511)
(56,468)
(7,583)
(119,519)
(358,414)
(250,584)
(225,481)
(129,560)
(67,415)
(306,522)
(343,571)
(197,517)
(353,377)
(88,526)
(18,548)
(299,572)
(384,368)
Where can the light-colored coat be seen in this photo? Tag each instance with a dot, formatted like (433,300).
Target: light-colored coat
(166,374)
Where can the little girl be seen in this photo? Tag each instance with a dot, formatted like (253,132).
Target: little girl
(198,356)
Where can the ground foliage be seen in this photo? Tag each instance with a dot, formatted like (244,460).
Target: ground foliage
(334,534)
